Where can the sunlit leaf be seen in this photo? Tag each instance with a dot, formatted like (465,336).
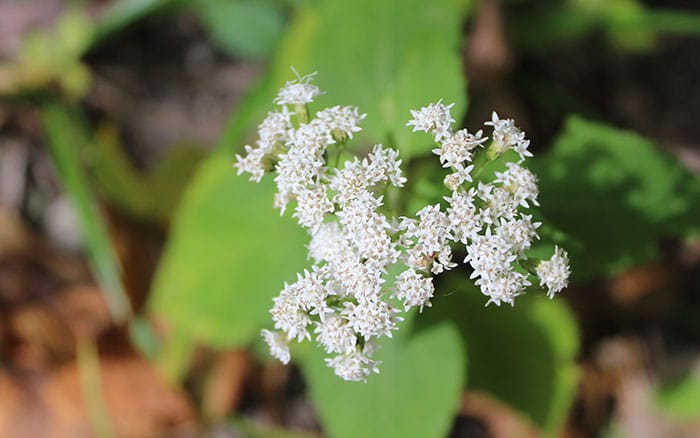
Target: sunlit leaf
(523,355)
(231,255)
(248,28)
(386,57)
(417,392)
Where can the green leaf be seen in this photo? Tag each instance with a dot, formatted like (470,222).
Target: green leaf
(679,399)
(386,57)
(249,28)
(417,392)
(230,254)
(204,264)
(523,355)
(150,196)
(614,194)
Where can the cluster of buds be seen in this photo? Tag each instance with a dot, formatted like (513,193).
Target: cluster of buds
(342,301)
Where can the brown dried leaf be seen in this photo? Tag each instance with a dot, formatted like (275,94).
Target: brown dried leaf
(224,387)
(499,419)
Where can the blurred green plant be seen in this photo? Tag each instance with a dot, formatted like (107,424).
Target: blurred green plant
(51,59)
(247,28)
(679,398)
(613,195)
(67,136)
(630,25)
(150,196)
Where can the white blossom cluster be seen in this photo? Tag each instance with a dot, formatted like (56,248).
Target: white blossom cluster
(487,216)
(342,301)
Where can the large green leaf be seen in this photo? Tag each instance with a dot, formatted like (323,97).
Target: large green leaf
(249,28)
(386,57)
(417,392)
(523,355)
(230,254)
(614,194)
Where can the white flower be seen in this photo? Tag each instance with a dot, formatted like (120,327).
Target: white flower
(383,165)
(298,92)
(288,314)
(275,128)
(279,345)
(311,292)
(519,233)
(414,289)
(554,273)
(343,120)
(456,148)
(312,138)
(312,206)
(508,136)
(371,318)
(498,203)
(463,174)
(503,287)
(327,242)
(297,172)
(462,216)
(282,199)
(251,163)
(349,182)
(369,231)
(443,262)
(489,254)
(336,335)
(355,367)
(434,118)
(427,238)
(520,183)
(354,278)
(433,228)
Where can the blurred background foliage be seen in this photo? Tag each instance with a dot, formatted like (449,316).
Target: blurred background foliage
(161,269)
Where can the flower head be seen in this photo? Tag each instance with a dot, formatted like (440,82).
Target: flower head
(279,345)
(298,92)
(434,118)
(554,273)
(343,302)
(414,289)
(457,148)
(508,136)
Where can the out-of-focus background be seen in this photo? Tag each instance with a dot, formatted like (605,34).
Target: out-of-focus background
(136,268)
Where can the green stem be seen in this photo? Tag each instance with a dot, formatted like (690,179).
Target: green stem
(530,265)
(89,368)
(302,112)
(65,136)
(481,159)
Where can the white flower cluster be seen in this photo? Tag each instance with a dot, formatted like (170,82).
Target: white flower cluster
(487,216)
(342,301)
